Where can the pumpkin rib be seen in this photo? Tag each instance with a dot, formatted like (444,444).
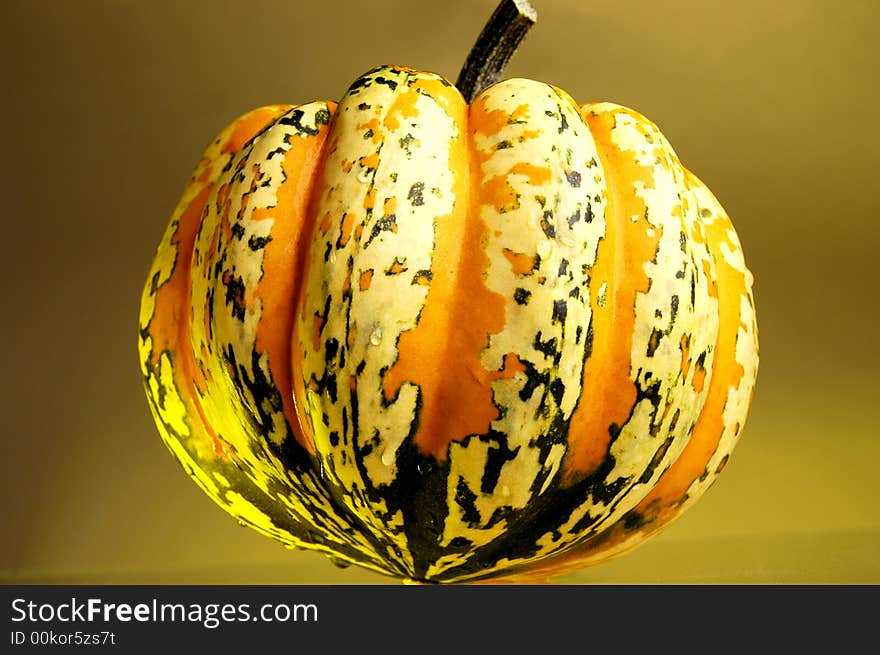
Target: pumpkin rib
(294,183)
(170,299)
(291,216)
(674,491)
(232,484)
(643,242)
(732,380)
(626,205)
(371,238)
(671,488)
(282,269)
(514,174)
(448,332)
(607,370)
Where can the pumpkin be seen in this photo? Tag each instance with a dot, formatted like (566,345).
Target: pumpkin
(448,340)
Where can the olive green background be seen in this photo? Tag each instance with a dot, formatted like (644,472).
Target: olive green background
(107,106)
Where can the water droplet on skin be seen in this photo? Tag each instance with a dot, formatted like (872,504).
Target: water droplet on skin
(241,524)
(342,564)
(567,239)
(332,256)
(388,456)
(544,249)
(365,175)
(376,336)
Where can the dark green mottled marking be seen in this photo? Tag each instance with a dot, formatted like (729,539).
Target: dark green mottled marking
(258,243)
(416,194)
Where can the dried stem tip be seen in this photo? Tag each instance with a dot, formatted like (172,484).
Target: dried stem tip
(495,46)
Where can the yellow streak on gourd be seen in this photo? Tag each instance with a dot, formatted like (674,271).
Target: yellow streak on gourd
(232,418)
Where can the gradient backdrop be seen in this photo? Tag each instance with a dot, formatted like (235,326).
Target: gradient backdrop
(107,105)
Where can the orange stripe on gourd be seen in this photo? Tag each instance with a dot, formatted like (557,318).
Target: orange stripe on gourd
(609,392)
(250,125)
(171,332)
(404,107)
(458,314)
(166,324)
(169,326)
(282,257)
(726,374)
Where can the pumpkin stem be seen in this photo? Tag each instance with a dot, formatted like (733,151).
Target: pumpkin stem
(495,46)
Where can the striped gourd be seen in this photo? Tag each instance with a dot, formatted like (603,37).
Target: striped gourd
(445,340)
